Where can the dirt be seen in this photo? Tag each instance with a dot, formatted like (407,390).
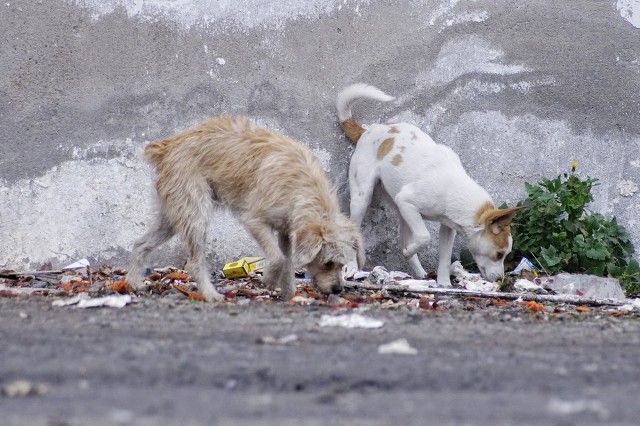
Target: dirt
(170,360)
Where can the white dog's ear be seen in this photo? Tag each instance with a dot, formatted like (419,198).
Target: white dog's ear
(501,218)
(307,243)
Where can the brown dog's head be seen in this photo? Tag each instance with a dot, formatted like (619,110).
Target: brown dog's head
(324,248)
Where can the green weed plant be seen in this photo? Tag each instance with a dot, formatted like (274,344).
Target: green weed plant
(558,231)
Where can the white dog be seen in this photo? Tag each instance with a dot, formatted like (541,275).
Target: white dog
(424,180)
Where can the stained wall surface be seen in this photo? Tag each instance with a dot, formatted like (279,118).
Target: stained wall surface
(519,89)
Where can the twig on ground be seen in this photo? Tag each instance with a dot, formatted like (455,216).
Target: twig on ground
(553,298)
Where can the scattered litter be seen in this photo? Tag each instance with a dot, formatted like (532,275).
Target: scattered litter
(66,279)
(457,270)
(350,321)
(80,264)
(535,306)
(523,285)
(399,347)
(284,340)
(417,285)
(83,300)
(479,285)
(244,267)
(524,265)
(399,275)
(629,307)
(300,300)
(568,408)
(361,275)
(19,388)
(379,276)
(590,286)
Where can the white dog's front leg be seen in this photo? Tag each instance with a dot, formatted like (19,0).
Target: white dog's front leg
(447,236)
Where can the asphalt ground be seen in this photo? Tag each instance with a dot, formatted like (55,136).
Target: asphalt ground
(174,361)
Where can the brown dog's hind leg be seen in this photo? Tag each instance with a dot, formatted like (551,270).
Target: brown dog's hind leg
(159,233)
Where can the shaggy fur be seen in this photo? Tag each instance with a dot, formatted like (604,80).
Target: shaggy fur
(423,180)
(275,186)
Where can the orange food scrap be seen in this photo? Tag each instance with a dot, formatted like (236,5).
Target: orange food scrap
(178,276)
(155,276)
(582,309)
(616,314)
(119,287)
(500,302)
(535,306)
(424,303)
(190,294)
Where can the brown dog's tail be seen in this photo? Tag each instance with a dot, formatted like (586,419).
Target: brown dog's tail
(154,152)
(345,100)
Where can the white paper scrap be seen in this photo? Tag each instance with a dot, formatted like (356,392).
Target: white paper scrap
(350,321)
(400,347)
(82,263)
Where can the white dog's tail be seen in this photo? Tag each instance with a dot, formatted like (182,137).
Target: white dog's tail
(345,100)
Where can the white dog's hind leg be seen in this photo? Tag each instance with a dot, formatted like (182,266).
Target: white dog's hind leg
(361,186)
(414,263)
(447,236)
(411,215)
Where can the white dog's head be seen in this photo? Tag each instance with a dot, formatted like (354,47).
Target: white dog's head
(324,248)
(491,242)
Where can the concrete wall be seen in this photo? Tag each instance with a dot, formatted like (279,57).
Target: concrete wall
(518,89)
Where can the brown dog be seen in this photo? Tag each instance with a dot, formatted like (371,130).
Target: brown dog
(275,186)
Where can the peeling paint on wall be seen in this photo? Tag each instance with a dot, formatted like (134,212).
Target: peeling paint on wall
(74,208)
(627,188)
(191,12)
(630,11)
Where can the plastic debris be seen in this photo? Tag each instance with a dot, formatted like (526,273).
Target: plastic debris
(417,285)
(350,321)
(379,275)
(469,280)
(524,265)
(397,347)
(83,300)
(244,267)
(523,285)
(590,286)
(80,264)
(634,305)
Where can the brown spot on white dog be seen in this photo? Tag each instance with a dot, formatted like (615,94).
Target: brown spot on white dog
(396,160)
(352,129)
(497,223)
(393,130)
(384,148)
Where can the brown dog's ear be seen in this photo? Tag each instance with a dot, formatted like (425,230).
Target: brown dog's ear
(500,218)
(307,242)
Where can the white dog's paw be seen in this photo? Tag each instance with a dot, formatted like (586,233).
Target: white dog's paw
(444,280)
